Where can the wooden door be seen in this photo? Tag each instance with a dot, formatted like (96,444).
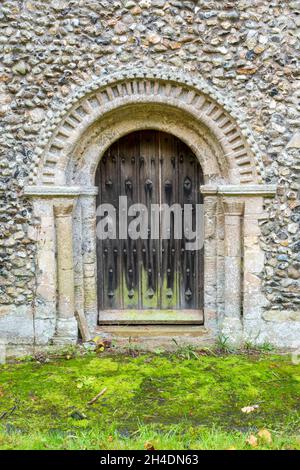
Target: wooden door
(150,279)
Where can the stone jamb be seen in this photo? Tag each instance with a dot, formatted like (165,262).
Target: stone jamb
(210,264)
(45,301)
(89,259)
(232,322)
(254,300)
(54,306)
(243,297)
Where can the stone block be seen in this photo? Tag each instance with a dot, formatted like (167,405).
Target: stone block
(16,324)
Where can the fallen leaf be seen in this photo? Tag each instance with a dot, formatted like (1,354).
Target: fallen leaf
(249,409)
(231,448)
(97,339)
(265,436)
(149,446)
(101,344)
(252,441)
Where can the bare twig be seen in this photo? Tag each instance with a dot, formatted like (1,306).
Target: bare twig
(93,400)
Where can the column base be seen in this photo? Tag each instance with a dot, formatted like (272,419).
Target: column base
(66,331)
(232,329)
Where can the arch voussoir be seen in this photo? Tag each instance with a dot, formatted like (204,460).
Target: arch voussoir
(143,86)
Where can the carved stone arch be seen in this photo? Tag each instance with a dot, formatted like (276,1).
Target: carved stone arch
(85,154)
(168,89)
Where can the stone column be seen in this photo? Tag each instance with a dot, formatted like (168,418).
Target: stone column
(89,258)
(232,322)
(220,260)
(66,326)
(210,263)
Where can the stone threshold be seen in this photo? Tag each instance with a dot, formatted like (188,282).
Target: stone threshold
(151,317)
(153,330)
(150,337)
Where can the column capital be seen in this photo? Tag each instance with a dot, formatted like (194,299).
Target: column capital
(210,203)
(63,208)
(233,206)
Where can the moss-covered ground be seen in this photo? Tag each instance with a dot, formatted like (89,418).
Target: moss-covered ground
(156,400)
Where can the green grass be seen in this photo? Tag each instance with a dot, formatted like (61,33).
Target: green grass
(173,401)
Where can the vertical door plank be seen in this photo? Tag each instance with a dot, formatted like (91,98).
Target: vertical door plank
(129,153)
(108,251)
(169,196)
(189,195)
(148,195)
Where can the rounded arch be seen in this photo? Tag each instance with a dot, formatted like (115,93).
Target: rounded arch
(102,111)
(104,132)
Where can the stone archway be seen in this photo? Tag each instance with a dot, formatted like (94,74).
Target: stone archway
(164,89)
(63,192)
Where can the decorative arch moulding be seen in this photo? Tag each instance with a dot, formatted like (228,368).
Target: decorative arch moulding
(168,87)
